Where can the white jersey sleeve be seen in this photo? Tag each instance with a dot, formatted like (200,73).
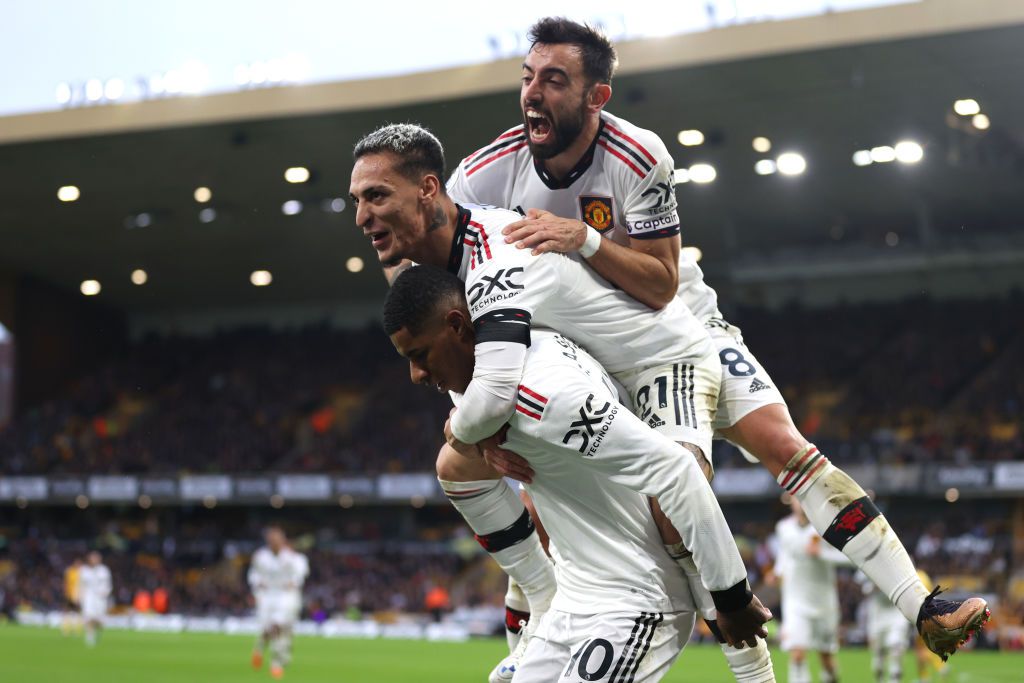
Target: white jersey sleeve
(503,293)
(470,184)
(572,426)
(460,190)
(650,207)
(257,580)
(300,569)
(105,583)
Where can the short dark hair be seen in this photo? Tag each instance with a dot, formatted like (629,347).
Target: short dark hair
(418,150)
(596,51)
(415,296)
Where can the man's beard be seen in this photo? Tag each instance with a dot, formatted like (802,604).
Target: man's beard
(564,133)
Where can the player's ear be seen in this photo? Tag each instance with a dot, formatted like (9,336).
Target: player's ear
(430,188)
(461,324)
(599,95)
(453,320)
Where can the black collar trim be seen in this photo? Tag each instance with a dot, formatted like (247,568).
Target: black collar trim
(461,224)
(578,170)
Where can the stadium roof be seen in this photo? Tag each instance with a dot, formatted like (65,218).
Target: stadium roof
(825,104)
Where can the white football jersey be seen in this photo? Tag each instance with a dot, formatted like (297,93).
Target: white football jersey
(809,587)
(280,572)
(623,187)
(508,290)
(607,551)
(95,581)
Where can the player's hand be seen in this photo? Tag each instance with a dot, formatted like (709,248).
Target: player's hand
(544,231)
(745,626)
(494,440)
(814,546)
(465,449)
(508,464)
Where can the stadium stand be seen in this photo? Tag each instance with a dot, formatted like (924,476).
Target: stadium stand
(323,400)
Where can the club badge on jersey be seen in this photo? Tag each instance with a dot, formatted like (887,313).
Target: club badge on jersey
(597,212)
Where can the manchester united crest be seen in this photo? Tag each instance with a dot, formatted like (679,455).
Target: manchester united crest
(597,212)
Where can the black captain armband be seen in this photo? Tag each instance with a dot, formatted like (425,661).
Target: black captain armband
(504,325)
(732,599)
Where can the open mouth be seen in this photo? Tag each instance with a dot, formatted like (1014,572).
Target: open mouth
(539,125)
(379,240)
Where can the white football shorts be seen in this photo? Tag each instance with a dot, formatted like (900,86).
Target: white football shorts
(612,647)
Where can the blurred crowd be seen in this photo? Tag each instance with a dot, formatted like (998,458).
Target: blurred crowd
(249,400)
(913,381)
(361,562)
(386,561)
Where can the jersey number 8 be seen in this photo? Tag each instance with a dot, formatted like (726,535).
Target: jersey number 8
(737,364)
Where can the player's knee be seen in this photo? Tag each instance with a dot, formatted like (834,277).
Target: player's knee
(449,465)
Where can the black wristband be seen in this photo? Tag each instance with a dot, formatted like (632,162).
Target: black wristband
(732,599)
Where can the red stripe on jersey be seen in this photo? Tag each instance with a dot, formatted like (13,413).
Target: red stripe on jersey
(796,468)
(519,130)
(515,131)
(504,152)
(527,413)
(616,131)
(483,237)
(624,159)
(534,394)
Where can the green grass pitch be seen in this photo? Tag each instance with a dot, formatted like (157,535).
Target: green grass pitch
(30,655)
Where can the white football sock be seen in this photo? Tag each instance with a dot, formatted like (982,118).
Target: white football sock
(877,663)
(843,514)
(701,595)
(281,647)
(517,608)
(504,529)
(750,664)
(895,665)
(799,673)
